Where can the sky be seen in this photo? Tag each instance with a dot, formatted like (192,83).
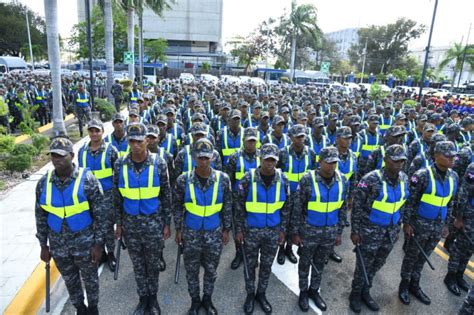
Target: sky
(242,16)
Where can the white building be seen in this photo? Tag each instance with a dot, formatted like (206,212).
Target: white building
(344,39)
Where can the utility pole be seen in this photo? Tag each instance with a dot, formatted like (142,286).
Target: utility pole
(464,54)
(29,41)
(423,74)
(89,43)
(363,62)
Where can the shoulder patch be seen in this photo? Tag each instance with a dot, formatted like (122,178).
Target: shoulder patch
(414,179)
(362,184)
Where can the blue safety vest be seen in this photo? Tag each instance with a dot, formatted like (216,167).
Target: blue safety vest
(324,203)
(230,145)
(243,166)
(348,167)
(370,144)
(168,144)
(176,132)
(386,207)
(263,206)
(385,123)
(356,146)
(285,140)
(70,204)
(82,100)
(316,146)
(134,95)
(99,165)
(122,146)
(294,168)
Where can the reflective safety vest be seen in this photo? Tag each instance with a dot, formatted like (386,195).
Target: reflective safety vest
(356,146)
(324,203)
(168,144)
(40,97)
(99,165)
(82,99)
(229,145)
(176,134)
(347,168)
(141,193)
(385,123)
(70,204)
(294,168)
(371,143)
(134,95)
(466,136)
(122,147)
(416,134)
(434,201)
(243,165)
(386,207)
(285,140)
(203,207)
(251,123)
(263,205)
(317,147)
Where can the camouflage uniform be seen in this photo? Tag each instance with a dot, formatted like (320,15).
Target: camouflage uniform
(83,113)
(70,250)
(468,305)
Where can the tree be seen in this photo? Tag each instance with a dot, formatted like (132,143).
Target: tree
(456,54)
(51,15)
(14,38)
(155,49)
(386,45)
(109,46)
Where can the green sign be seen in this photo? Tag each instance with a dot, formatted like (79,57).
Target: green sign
(128,58)
(325,67)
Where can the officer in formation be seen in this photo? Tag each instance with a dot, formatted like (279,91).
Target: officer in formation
(118,137)
(71,224)
(142,201)
(82,107)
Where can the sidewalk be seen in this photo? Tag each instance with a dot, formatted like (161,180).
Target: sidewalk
(19,248)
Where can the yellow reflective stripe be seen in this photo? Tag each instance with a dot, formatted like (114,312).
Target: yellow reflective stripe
(240,175)
(226,151)
(263,207)
(389,207)
(434,200)
(49,189)
(204,211)
(190,160)
(103,172)
(382,151)
(140,192)
(329,206)
(295,177)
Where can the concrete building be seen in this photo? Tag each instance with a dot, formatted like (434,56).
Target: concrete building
(344,39)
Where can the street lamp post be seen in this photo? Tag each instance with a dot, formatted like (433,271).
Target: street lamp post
(89,44)
(423,74)
(29,41)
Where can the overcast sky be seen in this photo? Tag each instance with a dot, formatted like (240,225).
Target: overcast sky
(242,16)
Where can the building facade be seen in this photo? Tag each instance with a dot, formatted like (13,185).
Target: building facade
(344,39)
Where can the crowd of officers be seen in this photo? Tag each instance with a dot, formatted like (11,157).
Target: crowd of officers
(277,167)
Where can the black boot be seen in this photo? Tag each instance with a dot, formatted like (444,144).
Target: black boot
(195,306)
(355,302)
(281,255)
(237,259)
(289,253)
(462,284)
(142,306)
(81,309)
(403,291)
(369,301)
(335,257)
(161,263)
(249,303)
(418,292)
(153,306)
(111,261)
(208,306)
(92,310)
(303,301)
(451,283)
(264,304)
(317,299)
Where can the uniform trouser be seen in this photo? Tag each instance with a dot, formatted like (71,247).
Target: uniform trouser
(468,305)
(143,235)
(83,116)
(428,234)
(377,243)
(43,115)
(201,248)
(72,254)
(459,254)
(110,235)
(265,242)
(117,102)
(318,243)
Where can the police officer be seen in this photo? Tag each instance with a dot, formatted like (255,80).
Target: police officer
(4,112)
(371,140)
(425,159)
(71,214)
(40,97)
(416,132)
(378,202)
(262,215)
(241,162)
(117,92)
(230,138)
(421,144)
(203,218)
(142,200)
(100,157)
(461,249)
(429,204)
(317,222)
(294,160)
(386,119)
(82,107)
(133,95)
(317,140)
(166,140)
(118,137)
(276,135)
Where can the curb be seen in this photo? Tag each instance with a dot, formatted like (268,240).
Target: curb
(23,138)
(31,295)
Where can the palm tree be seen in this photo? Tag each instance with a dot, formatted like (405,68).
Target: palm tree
(301,22)
(54,59)
(109,46)
(456,54)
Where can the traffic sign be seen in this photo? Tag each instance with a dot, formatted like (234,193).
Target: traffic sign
(128,57)
(325,66)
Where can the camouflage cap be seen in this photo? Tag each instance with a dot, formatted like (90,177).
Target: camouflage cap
(264,114)
(374,119)
(297,131)
(470,172)
(235,113)
(168,110)
(161,119)
(387,106)
(329,155)
(446,148)
(118,116)
(302,116)
(198,116)
(250,134)
(354,120)
(203,148)
(61,146)
(284,109)
(429,127)
(423,118)
(226,105)
(400,117)
(153,130)
(269,150)
(452,128)
(396,152)
(136,131)
(395,131)
(257,105)
(437,137)
(344,132)
(278,120)
(467,121)
(198,128)
(95,123)
(436,116)
(318,122)
(333,116)
(133,112)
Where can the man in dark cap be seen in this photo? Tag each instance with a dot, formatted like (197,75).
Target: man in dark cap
(166,140)
(82,107)
(430,203)
(203,218)
(262,231)
(317,140)
(425,158)
(173,127)
(386,120)
(276,135)
(230,138)
(72,218)
(330,130)
(378,202)
(422,144)
(317,221)
(418,131)
(118,137)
